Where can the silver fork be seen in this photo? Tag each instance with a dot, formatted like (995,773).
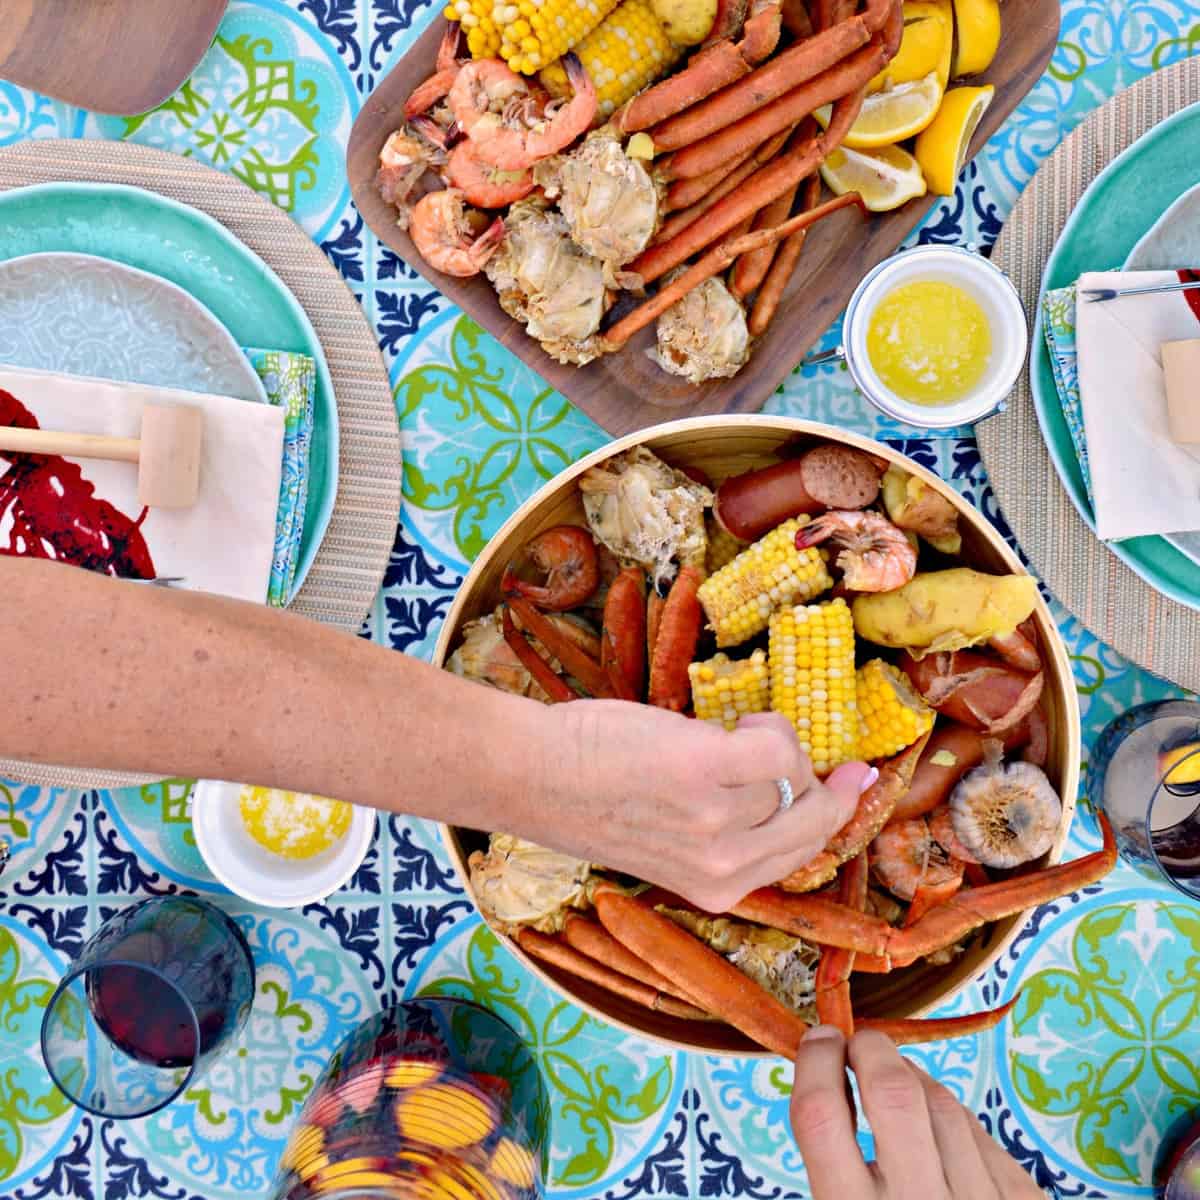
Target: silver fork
(1094,295)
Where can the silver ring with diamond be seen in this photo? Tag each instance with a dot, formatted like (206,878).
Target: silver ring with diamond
(787,797)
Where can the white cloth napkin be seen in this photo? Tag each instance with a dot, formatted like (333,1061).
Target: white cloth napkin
(1143,483)
(226,541)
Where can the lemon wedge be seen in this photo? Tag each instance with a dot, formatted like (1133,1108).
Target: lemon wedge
(941,11)
(978,25)
(885,178)
(891,116)
(921,53)
(942,148)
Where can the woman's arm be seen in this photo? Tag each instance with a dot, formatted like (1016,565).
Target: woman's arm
(110,675)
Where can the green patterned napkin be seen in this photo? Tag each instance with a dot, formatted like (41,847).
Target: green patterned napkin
(290,381)
(1058,325)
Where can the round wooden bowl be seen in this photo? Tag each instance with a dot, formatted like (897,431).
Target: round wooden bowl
(724,446)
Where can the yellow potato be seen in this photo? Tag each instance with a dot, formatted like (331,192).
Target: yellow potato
(687,22)
(912,505)
(945,610)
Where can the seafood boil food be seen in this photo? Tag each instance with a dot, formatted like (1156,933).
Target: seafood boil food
(828,589)
(603,180)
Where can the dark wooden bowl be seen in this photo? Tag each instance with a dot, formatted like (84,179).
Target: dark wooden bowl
(723,446)
(627,391)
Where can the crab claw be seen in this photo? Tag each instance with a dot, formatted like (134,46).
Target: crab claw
(951,922)
(936,1029)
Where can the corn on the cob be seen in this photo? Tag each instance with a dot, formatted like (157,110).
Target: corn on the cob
(624,54)
(812,679)
(475,16)
(739,599)
(723,547)
(723,690)
(535,33)
(891,716)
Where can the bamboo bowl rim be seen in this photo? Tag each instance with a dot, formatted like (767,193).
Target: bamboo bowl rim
(1063,719)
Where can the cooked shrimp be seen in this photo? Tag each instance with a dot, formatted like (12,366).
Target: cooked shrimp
(510,123)
(443,235)
(904,857)
(402,162)
(876,556)
(567,555)
(425,95)
(484,185)
(452,52)
(941,829)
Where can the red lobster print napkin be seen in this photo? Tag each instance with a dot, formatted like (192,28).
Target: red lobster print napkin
(86,512)
(1142,481)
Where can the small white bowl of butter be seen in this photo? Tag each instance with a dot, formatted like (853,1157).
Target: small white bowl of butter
(935,336)
(279,849)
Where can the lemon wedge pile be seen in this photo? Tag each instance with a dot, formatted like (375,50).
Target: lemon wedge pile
(912,98)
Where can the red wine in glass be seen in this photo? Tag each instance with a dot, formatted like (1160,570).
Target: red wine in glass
(143,1016)
(157,992)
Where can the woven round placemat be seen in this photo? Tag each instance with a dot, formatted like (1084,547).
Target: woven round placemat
(1117,605)
(351,561)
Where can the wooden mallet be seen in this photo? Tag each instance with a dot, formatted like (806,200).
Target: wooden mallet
(167,453)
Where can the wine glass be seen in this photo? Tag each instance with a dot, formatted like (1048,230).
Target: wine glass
(1144,774)
(156,994)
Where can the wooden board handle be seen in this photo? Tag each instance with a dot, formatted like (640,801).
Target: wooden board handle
(71,445)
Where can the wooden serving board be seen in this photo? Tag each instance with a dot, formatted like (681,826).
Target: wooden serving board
(626,391)
(73,49)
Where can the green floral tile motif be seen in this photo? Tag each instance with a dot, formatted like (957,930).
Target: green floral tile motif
(481,433)
(610,1094)
(1104,1039)
(270,103)
(257,90)
(28,1100)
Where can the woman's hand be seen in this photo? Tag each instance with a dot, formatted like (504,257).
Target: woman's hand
(928,1147)
(684,803)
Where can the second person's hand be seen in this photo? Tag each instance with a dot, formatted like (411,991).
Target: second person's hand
(686,804)
(927,1145)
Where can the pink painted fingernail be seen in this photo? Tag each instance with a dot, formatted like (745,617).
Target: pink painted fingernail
(821,1033)
(868,780)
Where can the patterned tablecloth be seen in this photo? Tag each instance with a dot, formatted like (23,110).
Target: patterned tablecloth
(1101,1054)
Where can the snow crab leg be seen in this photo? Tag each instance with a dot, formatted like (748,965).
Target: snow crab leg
(714,262)
(771,290)
(836,965)
(550,949)
(828,923)
(717,65)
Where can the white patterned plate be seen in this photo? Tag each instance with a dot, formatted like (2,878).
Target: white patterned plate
(1171,243)
(83,315)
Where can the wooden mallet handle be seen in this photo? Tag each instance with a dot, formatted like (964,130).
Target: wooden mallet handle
(167,454)
(70,445)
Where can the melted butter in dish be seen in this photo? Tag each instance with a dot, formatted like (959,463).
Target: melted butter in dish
(929,342)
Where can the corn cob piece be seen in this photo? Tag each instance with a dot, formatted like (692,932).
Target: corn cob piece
(891,716)
(723,547)
(739,599)
(812,679)
(475,16)
(723,691)
(535,33)
(624,54)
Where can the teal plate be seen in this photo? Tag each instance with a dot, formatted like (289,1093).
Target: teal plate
(1123,201)
(190,249)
